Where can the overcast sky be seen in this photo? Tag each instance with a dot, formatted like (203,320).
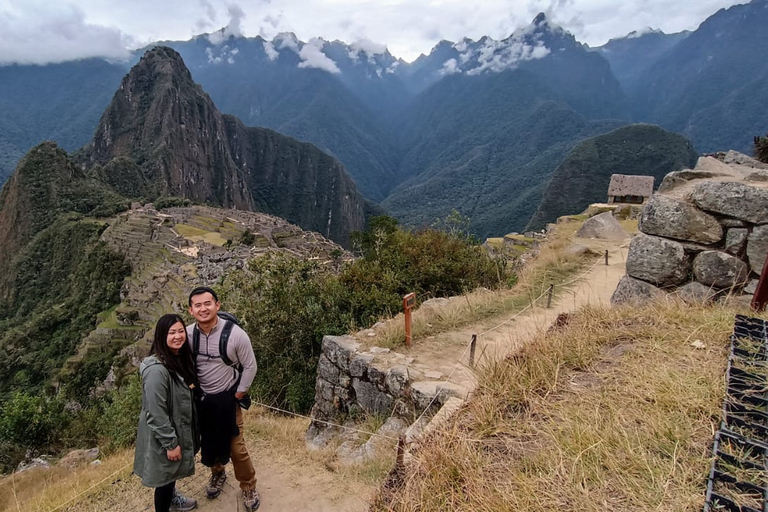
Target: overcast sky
(39,31)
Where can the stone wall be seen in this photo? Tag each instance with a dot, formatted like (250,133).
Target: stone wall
(352,383)
(703,236)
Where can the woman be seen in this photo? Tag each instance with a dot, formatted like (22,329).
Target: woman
(167,439)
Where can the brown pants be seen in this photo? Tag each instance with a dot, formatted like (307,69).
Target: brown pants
(241,461)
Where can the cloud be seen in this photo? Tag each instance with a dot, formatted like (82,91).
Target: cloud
(496,56)
(312,56)
(234,27)
(450,67)
(367,47)
(34,32)
(269,49)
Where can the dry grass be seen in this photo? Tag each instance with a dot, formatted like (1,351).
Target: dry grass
(276,439)
(616,411)
(552,265)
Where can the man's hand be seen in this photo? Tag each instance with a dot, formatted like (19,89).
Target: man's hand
(174,454)
(239,395)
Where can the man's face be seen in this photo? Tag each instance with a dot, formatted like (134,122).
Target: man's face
(204,308)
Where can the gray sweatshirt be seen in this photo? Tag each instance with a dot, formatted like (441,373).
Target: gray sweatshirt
(215,376)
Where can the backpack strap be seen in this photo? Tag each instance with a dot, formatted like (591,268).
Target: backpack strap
(195,340)
(224,340)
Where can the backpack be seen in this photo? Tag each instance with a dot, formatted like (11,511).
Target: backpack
(230,321)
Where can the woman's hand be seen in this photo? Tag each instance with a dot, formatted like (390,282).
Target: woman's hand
(174,454)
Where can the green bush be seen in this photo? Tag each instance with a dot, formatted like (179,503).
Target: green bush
(288,305)
(116,425)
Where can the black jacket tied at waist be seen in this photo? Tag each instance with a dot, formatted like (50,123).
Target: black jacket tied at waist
(217,427)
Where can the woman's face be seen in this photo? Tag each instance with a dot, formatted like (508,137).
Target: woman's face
(177,336)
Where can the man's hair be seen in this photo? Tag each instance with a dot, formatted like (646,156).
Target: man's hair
(200,290)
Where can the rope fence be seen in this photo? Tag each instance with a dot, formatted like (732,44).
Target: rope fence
(458,363)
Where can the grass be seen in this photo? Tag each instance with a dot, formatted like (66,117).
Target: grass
(200,235)
(616,411)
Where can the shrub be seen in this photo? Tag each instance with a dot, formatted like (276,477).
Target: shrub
(761,148)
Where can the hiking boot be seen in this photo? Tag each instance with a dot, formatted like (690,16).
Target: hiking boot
(181,502)
(215,484)
(251,499)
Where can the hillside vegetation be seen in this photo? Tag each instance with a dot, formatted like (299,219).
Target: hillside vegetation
(583,176)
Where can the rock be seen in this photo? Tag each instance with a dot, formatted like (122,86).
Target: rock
(657,260)
(757,247)
(437,301)
(378,376)
(736,241)
(379,350)
(397,380)
(579,250)
(728,222)
(676,178)
(339,350)
(358,366)
(327,370)
(77,457)
(603,226)
(323,389)
(37,463)
(630,290)
(371,399)
(319,435)
(757,176)
(721,270)
(670,218)
(734,157)
(733,199)
(751,288)
(696,293)
(427,393)
(433,375)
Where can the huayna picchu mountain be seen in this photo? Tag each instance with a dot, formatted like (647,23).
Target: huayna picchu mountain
(163,136)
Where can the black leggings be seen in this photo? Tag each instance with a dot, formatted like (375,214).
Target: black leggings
(163,497)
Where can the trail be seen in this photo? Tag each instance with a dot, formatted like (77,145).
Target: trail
(291,480)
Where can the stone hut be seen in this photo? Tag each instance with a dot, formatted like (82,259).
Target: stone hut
(702,236)
(630,189)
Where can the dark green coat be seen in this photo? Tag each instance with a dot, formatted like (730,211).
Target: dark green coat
(168,419)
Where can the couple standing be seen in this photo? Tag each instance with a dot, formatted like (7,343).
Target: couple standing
(194,384)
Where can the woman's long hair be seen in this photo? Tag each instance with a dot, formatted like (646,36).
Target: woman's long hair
(181,364)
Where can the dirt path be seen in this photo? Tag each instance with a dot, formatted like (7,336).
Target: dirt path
(594,287)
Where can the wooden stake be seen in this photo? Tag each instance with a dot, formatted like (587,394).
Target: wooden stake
(472,347)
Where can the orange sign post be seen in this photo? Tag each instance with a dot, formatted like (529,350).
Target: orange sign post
(408,302)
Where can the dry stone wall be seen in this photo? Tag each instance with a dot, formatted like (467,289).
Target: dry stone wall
(352,382)
(700,237)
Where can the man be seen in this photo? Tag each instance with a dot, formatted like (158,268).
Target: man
(223,387)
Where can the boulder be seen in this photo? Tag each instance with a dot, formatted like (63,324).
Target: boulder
(630,290)
(734,157)
(675,178)
(736,241)
(327,370)
(657,260)
(734,199)
(696,293)
(670,218)
(751,287)
(757,247)
(358,366)
(603,226)
(757,176)
(721,270)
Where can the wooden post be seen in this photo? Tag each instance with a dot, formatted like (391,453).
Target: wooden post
(408,302)
(400,451)
(761,293)
(472,346)
(549,295)
(606,256)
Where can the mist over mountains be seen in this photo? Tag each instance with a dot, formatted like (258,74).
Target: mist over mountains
(478,126)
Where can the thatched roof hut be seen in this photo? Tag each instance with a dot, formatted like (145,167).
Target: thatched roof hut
(630,189)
